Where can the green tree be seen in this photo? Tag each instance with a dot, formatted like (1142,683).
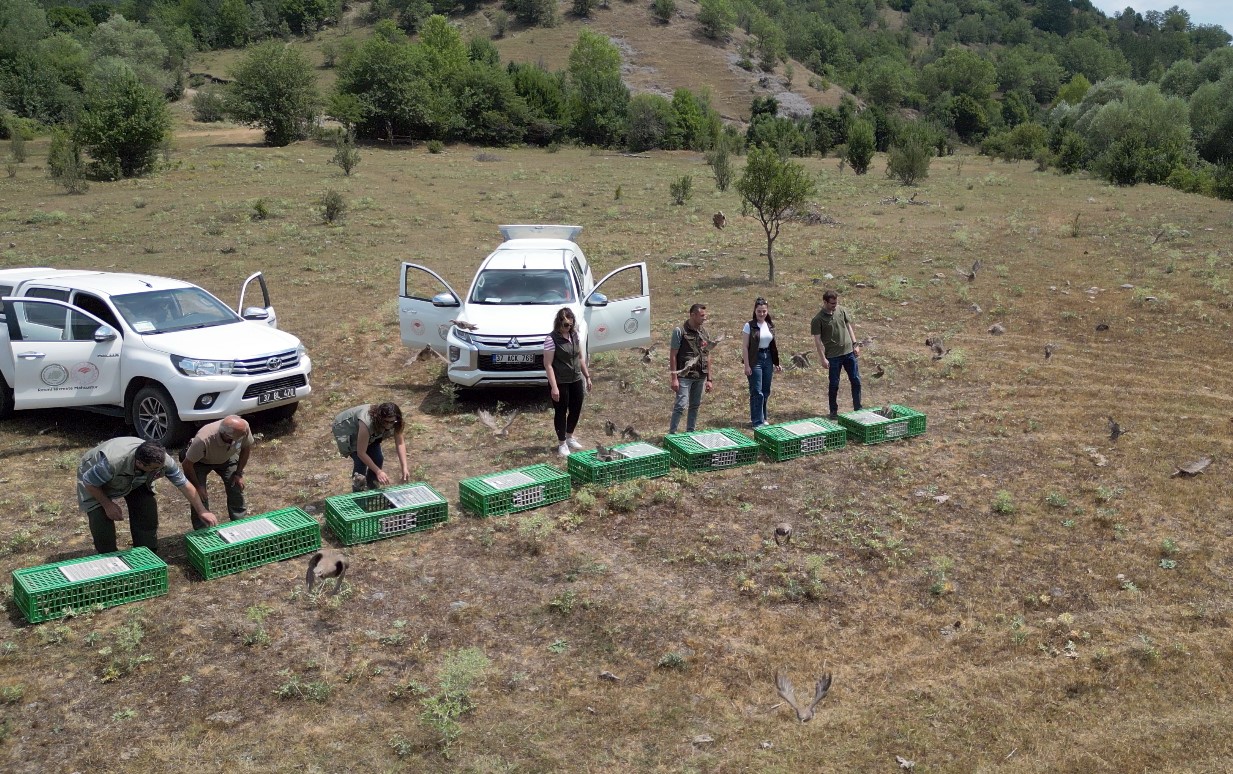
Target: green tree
(1211,117)
(961,72)
(123,125)
(232,24)
(652,124)
(663,10)
(861,146)
(910,153)
(491,111)
(769,187)
(64,164)
(968,118)
(136,46)
(716,18)
(1075,90)
(1140,137)
(274,89)
(598,99)
(399,94)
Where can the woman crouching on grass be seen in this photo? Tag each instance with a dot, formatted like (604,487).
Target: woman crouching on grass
(358,432)
(568,377)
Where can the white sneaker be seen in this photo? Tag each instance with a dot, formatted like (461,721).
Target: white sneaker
(572,443)
(563,450)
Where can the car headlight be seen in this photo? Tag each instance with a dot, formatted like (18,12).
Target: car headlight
(462,336)
(193,367)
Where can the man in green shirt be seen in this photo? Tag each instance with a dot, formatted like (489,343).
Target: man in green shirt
(835,341)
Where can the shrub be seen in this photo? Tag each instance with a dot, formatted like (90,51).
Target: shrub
(275,90)
(859,152)
(64,163)
(435,146)
(663,10)
(345,153)
(1071,152)
(910,155)
(333,206)
(720,162)
(500,23)
(583,8)
(17,147)
(717,19)
(682,189)
(124,126)
(208,106)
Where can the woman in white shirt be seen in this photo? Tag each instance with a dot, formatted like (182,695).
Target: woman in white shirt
(761,358)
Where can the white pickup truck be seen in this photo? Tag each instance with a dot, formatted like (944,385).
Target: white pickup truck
(511,305)
(160,352)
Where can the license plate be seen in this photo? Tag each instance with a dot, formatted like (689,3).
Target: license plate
(269,396)
(522,358)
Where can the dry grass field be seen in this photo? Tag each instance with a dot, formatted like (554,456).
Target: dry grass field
(1065,608)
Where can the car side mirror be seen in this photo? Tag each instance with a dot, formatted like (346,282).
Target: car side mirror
(256,313)
(445,299)
(105,333)
(597,299)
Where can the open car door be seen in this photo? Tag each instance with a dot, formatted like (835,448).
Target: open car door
(618,310)
(62,355)
(263,311)
(426,304)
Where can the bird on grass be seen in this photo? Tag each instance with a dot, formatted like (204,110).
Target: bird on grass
(1191,469)
(1049,349)
(609,427)
(645,352)
(326,563)
(1115,430)
(630,434)
(789,695)
(800,359)
(879,371)
(866,342)
(427,353)
(997,329)
(1102,326)
(500,428)
(783,533)
(971,273)
(720,220)
(939,348)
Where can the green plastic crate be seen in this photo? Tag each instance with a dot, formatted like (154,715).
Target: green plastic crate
(789,440)
(711,449)
(211,555)
(366,516)
(645,461)
(876,429)
(46,592)
(515,490)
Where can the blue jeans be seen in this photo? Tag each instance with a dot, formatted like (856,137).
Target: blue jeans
(690,392)
(761,371)
(846,363)
(359,468)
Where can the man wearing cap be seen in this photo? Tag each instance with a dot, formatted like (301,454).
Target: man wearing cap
(222,447)
(127,468)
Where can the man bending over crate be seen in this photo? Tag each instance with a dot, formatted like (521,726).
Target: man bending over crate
(222,447)
(128,467)
(835,341)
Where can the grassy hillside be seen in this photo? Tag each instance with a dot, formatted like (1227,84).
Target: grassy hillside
(1010,591)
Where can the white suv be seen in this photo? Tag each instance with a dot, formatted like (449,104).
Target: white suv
(160,352)
(511,305)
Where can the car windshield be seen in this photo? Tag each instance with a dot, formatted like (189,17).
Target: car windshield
(522,286)
(179,309)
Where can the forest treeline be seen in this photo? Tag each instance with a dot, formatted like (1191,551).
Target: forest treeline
(1131,98)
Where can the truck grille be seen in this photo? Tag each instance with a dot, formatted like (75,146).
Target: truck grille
(266,364)
(299,380)
(486,364)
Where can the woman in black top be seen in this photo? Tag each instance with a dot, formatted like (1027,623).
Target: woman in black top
(568,377)
(761,357)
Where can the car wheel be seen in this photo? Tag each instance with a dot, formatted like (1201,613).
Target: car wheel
(6,399)
(155,417)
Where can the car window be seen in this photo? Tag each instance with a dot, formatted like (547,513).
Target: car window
(523,286)
(162,311)
(97,307)
(49,322)
(48,315)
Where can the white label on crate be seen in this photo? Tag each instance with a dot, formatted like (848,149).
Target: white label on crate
(803,428)
(398,522)
(713,440)
(897,429)
(637,450)
(866,417)
(814,444)
(411,496)
(723,459)
(249,529)
(529,496)
(508,480)
(96,568)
